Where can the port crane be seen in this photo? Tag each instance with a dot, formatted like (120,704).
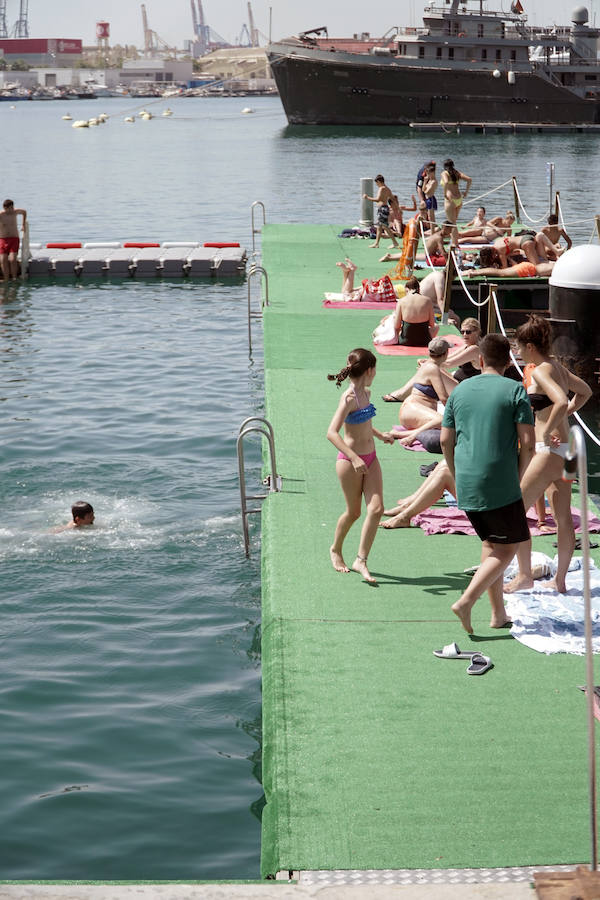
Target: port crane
(153,43)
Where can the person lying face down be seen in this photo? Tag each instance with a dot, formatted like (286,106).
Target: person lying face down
(491,265)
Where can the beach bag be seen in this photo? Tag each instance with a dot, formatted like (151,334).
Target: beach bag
(385,333)
(381,289)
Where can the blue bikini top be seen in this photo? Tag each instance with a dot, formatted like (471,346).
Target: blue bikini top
(361,415)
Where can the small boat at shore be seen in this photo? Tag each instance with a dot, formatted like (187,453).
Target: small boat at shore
(464,64)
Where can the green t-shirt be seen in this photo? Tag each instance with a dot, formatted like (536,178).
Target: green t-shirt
(484,411)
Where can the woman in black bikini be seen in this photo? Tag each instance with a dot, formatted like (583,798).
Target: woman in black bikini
(414,319)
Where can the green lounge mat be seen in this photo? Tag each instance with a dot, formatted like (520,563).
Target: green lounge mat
(377,755)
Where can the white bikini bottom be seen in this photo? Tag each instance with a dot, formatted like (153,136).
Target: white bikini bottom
(560,449)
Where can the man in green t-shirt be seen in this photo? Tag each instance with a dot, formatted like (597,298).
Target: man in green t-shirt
(488,440)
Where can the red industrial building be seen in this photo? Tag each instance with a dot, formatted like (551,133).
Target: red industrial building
(41,51)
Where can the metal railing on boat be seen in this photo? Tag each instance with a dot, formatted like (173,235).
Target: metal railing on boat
(255,425)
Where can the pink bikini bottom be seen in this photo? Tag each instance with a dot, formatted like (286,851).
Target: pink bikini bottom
(367,458)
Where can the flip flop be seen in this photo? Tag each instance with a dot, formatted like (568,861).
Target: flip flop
(578,544)
(452,651)
(389,398)
(479,664)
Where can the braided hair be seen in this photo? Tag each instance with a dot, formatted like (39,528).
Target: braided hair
(359,361)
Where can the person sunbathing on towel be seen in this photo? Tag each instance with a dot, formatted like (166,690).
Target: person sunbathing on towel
(489,230)
(420,395)
(493,265)
(432,490)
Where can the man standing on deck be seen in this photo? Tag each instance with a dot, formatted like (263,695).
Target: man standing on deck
(488,440)
(9,238)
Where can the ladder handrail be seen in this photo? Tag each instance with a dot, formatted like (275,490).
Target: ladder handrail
(264,212)
(261,426)
(256,270)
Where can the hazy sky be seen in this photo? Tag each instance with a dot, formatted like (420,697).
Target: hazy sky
(172,19)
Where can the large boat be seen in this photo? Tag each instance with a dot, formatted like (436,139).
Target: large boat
(465,64)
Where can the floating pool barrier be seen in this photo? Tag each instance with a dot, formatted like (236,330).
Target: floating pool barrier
(137,259)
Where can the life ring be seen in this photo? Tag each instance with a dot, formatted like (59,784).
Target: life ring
(63,245)
(140,244)
(220,244)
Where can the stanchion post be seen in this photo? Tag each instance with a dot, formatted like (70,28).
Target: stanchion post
(366,206)
(597,220)
(448,279)
(492,323)
(557,203)
(516,197)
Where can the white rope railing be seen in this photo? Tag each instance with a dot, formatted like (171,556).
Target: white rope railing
(533,221)
(520,371)
(586,429)
(561,218)
(464,287)
(427,256)
(487,193)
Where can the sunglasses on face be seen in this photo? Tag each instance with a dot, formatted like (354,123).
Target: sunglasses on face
(466,331)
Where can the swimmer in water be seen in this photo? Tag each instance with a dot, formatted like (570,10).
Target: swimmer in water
(83,516)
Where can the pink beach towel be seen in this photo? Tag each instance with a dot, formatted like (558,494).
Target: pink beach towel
(450,520)
(358,304)
(416,445)
(454,340)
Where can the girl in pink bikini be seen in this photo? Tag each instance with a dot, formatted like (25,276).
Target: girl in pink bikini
(357,465)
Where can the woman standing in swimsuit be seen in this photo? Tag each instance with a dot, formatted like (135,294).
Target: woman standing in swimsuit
(421,394)
(357,465)
(549,386)
(453,199)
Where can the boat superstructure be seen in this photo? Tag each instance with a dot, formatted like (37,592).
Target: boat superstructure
(464,64)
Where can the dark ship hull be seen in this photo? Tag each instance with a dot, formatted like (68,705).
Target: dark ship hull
(331,88)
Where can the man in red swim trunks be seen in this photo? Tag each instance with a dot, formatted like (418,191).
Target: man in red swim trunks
(9,238)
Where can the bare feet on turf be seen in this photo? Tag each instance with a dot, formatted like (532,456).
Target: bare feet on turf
(360,565)
(337,561)
(501,623)
(519,583)
(464,615)
(402,504)
(374,245)
(385,258)
(399,521)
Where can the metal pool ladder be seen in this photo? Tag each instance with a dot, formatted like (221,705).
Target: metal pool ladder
(256,270)
(255,424)
(256,230)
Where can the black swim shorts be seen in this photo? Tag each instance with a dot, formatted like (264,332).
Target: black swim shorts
(504,525)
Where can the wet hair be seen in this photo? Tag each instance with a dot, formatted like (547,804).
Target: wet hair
(438,347)
(537,331)
(510,213)
(552,219)
(379,178)
(412,284)
(359,361)
(488,256)
(495,350)
(471,323)
(452,172)
(7,204)
(482,208)
(81,509)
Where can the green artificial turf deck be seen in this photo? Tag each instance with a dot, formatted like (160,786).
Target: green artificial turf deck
(378,755)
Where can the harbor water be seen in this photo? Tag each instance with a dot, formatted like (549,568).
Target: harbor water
(131,651)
